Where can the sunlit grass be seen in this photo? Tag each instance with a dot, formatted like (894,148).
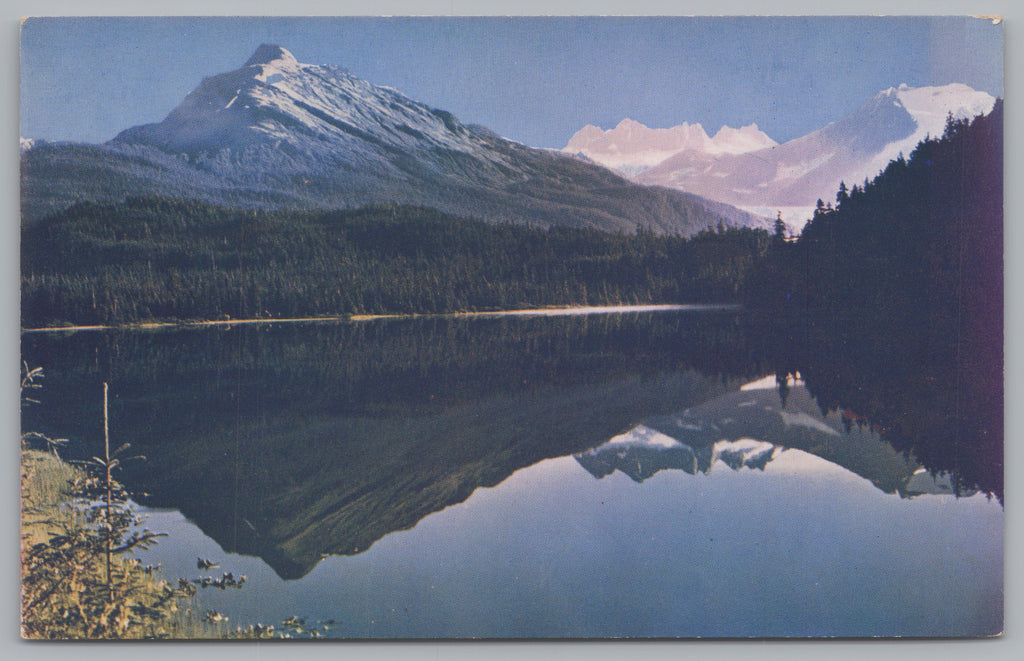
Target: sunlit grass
(62,584)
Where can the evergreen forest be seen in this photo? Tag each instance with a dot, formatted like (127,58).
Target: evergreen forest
(153,259)
(890,303)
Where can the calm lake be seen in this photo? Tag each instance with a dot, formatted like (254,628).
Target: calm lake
(633,474)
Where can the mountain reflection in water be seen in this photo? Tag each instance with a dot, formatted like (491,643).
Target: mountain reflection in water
(297,443)
(750,428)
(796,546)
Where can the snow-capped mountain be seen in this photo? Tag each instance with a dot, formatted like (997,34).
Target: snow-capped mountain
(24,144)
(799,172)
(746,168)
(632,147)
(304,117)
(277,133)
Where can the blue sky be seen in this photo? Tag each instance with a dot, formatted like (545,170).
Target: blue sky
(535,80)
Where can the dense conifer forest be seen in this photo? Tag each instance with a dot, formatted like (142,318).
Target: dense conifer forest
(157,259)
(890,303)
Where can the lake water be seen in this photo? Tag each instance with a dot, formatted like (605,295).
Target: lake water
(635,474)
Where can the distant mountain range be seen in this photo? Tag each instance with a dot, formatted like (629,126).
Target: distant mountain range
(744,167)
(632,148)
(280,134)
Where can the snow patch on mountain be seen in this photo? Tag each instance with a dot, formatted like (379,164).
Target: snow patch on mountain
(792,461)
(800,419)
(929,107)
(24,144)
(642,436)
(785,173)
(743,453)
(740,141)
(771,382)
(268,54)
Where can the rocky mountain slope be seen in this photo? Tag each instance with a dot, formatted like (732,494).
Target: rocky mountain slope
(277,133)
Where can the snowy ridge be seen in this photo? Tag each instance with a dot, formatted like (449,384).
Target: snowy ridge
(24,144)
(771,382)
(745,168)
(274,100)
(929,107)
(745,453)
(740,141)
(642,452)
(641,436)
(631,147)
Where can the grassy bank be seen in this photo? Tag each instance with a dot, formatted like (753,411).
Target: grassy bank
(65,593)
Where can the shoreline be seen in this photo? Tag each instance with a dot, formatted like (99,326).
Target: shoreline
(357,318)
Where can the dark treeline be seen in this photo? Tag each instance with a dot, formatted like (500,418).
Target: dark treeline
(890,302)
(156,259)
(389,368)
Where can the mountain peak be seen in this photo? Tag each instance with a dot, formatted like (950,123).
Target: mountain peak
(251,135)
(753,139)
(628,123)
(268,53)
